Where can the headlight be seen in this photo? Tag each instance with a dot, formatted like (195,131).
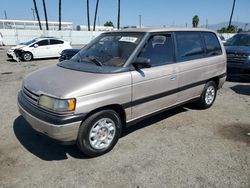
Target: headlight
(57,105)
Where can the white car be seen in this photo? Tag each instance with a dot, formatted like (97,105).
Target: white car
(43,47)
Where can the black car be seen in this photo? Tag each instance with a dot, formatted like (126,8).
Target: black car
(238,54)
(68,53)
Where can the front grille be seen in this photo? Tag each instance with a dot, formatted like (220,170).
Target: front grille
(237,57)
(30,96)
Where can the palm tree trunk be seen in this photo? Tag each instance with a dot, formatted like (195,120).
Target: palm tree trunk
(37,15)
(232,12)
(96,9)
(45,14)
(60,14)
(88,15)
(118,17)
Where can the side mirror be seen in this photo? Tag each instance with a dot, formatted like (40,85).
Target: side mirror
(141,62)
(35,45)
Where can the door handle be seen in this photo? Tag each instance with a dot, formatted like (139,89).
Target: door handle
(173,77)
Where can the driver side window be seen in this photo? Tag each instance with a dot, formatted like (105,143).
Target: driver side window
(159,50)
(43,43)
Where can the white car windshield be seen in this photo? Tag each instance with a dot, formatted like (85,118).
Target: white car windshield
(29,42)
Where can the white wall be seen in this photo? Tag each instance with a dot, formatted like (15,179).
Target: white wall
(14,37)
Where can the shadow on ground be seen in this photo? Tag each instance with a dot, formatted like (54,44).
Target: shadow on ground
(40,145)
(48,150)
(152,120)
(241,89)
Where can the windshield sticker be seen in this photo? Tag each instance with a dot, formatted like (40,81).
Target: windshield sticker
(129,39)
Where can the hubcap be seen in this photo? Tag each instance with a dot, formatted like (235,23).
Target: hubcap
(102,133)
(210,94)
(27,56)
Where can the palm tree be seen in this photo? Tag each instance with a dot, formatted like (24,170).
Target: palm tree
(45,14)
(232,12)
(96,9)
(88,15)
(60,14)
(196,21)
(118,16)
(37,15)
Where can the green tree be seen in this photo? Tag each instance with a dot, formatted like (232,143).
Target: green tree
(195,21)
(96,9)
(37,15)
(109,23)
(232,29)
(45,14)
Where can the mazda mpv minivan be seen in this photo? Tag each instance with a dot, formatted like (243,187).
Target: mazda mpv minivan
(119,77)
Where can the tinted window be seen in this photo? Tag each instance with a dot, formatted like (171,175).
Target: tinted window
(159,50)
(239,40)
(189,46)
(212,44)
(53,41)
(43,43)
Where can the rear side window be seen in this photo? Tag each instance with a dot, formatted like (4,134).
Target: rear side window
(159,49)
(213,47)
(53,41)
(189,46)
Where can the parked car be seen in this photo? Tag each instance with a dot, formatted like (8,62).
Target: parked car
(238,54)
(43,47)
(119,78)
(222,38)
(68,54)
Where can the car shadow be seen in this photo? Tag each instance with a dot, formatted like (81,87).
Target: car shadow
(48,150)
(241,89)
(152,120)
(40,145)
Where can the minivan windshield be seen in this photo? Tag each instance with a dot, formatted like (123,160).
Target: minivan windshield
(108,50)
(239,40)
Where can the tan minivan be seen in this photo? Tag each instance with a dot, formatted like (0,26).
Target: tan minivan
(118,78)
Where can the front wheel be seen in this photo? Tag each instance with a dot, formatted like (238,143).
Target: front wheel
(27,56)
(99,133)
(208,95)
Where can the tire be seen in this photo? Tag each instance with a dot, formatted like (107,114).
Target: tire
(99,133)
(27,56)
(208,95)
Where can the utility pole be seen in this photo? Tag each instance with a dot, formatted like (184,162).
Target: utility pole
(119,12)
(232,12)
(207,23)
(140,20)
(5,15)
(37,15)
(45,14)
(33,11)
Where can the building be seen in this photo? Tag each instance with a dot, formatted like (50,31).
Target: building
(97,28)
(33,25)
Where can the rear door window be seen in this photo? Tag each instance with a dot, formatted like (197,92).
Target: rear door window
(213,47)
(159,49)
(189,46)
(54,42)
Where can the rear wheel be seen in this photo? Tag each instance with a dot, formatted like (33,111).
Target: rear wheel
(27,56)
(99,133)
(208,95)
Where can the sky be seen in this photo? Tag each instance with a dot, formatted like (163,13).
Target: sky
(154,12)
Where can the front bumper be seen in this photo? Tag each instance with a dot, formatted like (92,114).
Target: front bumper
(63,128)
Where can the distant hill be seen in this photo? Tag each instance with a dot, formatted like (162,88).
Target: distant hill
(225,24)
